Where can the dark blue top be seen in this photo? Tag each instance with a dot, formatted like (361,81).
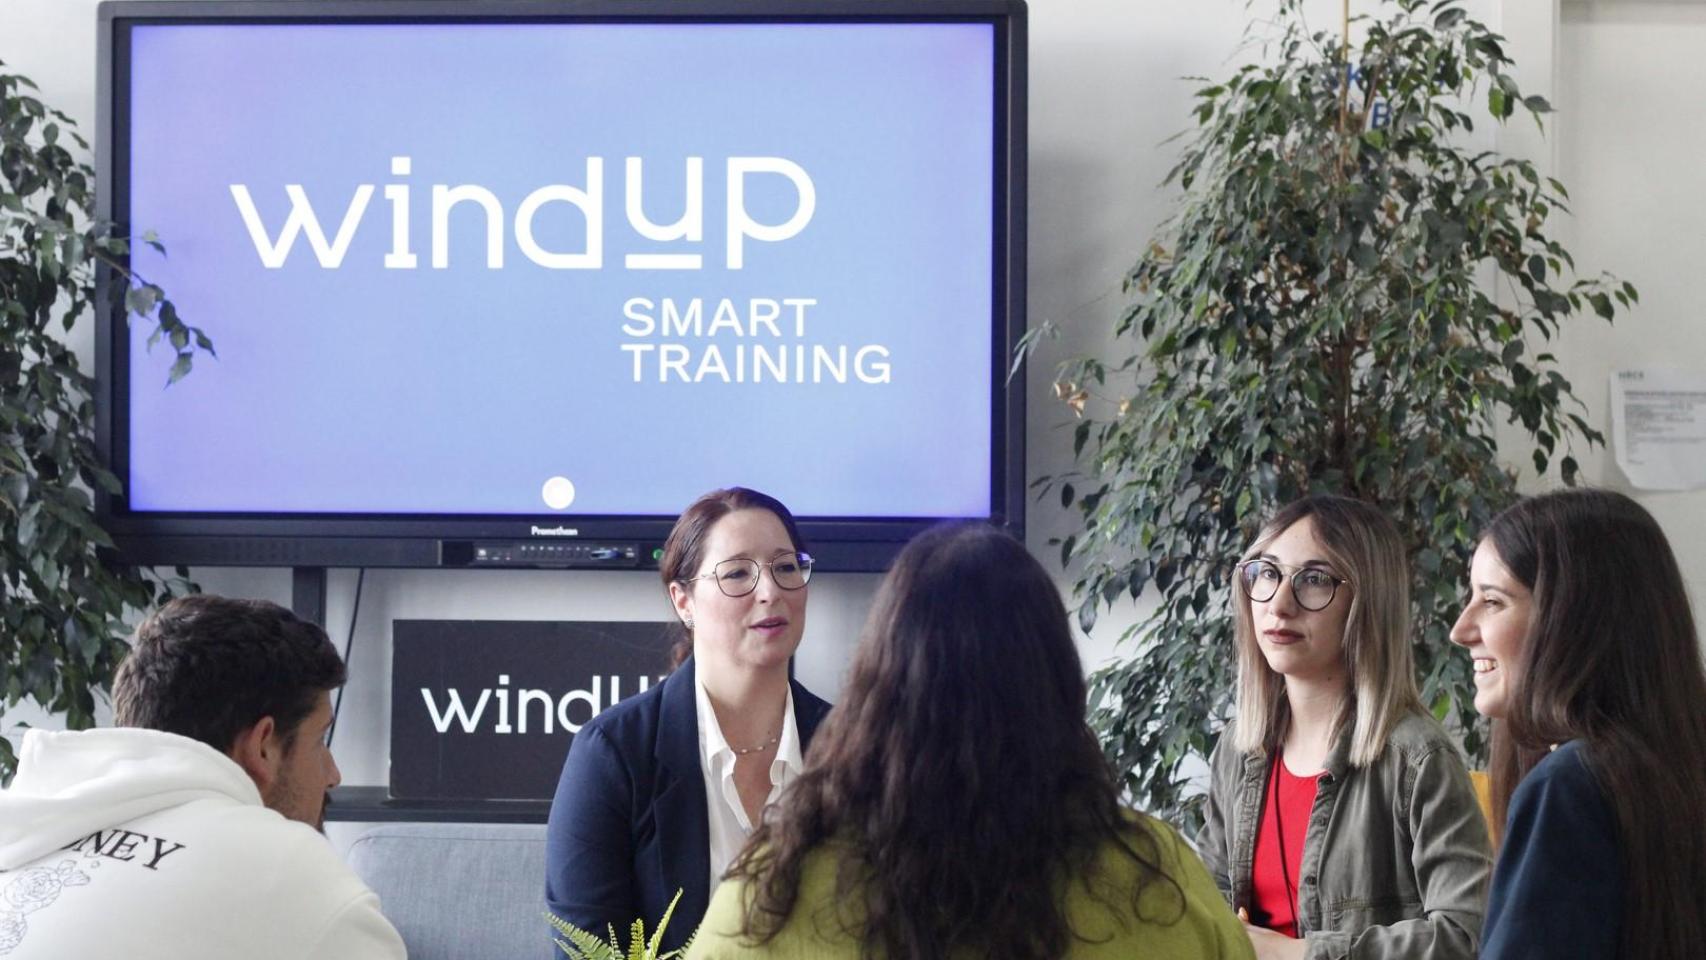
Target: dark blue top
(1558,886)
(629,825)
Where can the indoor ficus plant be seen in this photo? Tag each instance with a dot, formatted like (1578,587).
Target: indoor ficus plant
(1348,299)
(64,605)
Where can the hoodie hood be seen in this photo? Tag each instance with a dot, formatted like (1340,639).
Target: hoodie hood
(72,783)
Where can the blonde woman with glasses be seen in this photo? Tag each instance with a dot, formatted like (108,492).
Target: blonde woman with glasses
(1341,820)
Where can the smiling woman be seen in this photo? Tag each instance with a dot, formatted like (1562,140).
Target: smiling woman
(660,791)
(1587,659)
(1340,816)
(1492,627)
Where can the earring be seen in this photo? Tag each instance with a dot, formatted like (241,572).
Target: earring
(687,622)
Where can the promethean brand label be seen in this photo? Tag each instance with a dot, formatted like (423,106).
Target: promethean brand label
(487,709)
(447,264)
(554,531)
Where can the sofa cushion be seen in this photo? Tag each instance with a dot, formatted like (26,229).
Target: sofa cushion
(459,891)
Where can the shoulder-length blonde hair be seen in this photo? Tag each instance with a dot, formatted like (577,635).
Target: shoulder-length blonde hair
(1363,546)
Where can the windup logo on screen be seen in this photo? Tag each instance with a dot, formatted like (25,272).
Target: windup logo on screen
(487,709)
(768,334)
(577,269)
(274,244)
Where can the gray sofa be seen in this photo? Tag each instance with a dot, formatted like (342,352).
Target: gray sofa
(460,891)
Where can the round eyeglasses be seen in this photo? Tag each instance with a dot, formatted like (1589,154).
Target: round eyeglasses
(1313,587)
(739,576)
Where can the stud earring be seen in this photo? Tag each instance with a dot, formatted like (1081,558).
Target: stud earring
(687,622)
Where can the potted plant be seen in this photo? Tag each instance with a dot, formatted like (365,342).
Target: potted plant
(62,604)
(578,944)
(1349,300)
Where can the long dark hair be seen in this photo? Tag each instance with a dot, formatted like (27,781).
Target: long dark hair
(957,767)
(1612,659)
(684,551)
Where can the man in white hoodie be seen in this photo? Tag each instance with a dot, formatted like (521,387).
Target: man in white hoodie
(190,831)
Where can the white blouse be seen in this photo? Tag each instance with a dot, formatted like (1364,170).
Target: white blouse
(729,823)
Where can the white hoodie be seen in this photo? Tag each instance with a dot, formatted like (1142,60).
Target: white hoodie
(149,846)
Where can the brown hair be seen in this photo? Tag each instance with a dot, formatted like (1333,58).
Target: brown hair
(1611,658)
(208,668)
(1364,547)
(684,551)
(958,770)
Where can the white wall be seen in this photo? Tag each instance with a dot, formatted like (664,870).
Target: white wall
(1105,92)
(1630,140)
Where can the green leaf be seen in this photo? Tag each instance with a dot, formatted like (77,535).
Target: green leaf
(28,519)
(180,368)
(1497,104)
(141,300)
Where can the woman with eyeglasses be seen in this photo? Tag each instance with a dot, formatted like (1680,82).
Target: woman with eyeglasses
(1340,817)
(1587,660)
(660,791)
(956,805)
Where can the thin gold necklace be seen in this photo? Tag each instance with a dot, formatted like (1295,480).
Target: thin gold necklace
(739,752)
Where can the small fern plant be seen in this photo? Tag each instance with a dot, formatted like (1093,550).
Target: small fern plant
(578,944)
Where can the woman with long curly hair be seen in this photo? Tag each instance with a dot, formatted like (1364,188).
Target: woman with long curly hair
(1587,660)
(955,803)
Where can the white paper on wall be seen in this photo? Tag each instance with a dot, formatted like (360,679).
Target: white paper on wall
(1658,427)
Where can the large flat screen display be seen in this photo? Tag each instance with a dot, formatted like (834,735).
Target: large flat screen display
(490,270)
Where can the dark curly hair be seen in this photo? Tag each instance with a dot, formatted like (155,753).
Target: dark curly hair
(208,668)
(958,768)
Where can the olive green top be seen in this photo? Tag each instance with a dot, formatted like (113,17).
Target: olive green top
(1205,929)
(1395,857)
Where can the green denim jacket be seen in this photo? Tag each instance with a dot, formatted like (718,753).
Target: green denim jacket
(1396,857)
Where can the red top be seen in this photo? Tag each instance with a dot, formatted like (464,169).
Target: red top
(1285,821)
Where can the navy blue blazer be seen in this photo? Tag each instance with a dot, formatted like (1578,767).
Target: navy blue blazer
(1558,888)
(629,825)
